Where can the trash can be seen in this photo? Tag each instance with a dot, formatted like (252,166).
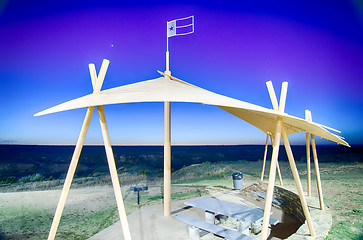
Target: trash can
(237,180)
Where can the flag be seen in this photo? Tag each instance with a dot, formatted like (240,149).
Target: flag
(181,26)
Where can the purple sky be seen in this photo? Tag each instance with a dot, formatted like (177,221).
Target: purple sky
(45,50)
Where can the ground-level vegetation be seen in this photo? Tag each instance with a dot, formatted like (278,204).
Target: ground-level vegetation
(28,206)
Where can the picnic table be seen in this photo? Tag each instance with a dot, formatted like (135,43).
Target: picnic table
(235,210)
(247,217)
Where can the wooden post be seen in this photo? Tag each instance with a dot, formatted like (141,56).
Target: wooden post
(272,94)
(167,160)
(97,84)
(114,176)
(316,163)
(277,165)
(317,172)
(275,106)
(297,182)
(275,153)
(279,173)
(271,180)
(308,155)
(264,157)
(70,173)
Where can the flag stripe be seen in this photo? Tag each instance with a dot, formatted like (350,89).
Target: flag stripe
(172,27)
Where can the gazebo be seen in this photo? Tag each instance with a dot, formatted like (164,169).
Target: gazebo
(166,89)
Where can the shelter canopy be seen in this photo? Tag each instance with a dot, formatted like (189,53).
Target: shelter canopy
(170,89)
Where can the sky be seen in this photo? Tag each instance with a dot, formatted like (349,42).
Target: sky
(45,49)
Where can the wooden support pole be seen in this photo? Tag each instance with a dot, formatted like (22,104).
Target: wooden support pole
(316,163)
(308,168)
(276,107)
(167,160)
(277,165)
(275,153)
(298,182)
(70,173)
(279,173)
(264,157)
(272,94)
(271,181)
(114,176)
(317,172)
(283,95)
(308,155)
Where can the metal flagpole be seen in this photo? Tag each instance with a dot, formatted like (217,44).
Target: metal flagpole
(167,71)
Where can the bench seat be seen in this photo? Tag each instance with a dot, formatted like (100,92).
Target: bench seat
(215,229)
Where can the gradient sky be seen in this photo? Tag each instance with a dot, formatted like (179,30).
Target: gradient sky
(46,46)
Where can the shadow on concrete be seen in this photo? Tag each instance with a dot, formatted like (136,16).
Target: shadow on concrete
(180,210)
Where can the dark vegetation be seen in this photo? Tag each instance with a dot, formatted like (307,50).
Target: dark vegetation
(32,163)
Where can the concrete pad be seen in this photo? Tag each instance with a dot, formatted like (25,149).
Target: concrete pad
(149,223)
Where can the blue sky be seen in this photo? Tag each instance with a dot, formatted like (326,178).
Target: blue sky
(237,46)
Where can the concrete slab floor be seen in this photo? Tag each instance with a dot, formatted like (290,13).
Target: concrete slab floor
(149,223)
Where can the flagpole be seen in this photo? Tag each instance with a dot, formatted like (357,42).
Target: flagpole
(167,118)
(167,142)
(167,71)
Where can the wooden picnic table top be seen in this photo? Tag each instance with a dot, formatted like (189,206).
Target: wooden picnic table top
(230,209)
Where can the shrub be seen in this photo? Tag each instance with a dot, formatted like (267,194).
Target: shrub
(9,180)
(144,171)
(37,177)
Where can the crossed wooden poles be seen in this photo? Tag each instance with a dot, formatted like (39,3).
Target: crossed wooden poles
(279,133)
(97,82)
(316,162)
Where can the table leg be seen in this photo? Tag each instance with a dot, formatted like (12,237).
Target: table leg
(209,217)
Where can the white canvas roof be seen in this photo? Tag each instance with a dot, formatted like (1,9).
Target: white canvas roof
(163,89)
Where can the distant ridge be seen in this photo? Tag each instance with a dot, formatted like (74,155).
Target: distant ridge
(53,160)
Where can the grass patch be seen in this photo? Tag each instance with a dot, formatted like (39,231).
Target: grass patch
(199,180)
(342,188)
(32,223)
(346,230)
